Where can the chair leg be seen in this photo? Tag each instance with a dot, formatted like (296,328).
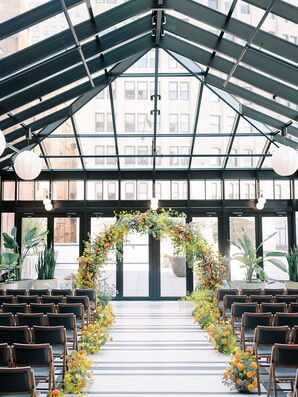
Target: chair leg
(274,386)
(269,382)
(258,378)
(53,377)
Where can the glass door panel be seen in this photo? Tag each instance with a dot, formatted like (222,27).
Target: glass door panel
(109,270)
(172,271)
(67,248)
(279,242)
(136,265)
(28,224)
(237,225)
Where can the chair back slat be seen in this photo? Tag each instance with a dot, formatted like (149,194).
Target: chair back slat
(14,308)
(285,355)
(15,334)
(261,298)
(290,319)
(16,292)
(273,307)
(16,381)
(252,320)
(39,292)
(293,308)
(225,291)
(29,319)
(286,298)
(274,291)
(268,335)
(61,291)
(238,308)
(251,291)
(27,299)
(42,308)
(6,319)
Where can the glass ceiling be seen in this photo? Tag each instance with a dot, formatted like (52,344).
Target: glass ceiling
(116,85)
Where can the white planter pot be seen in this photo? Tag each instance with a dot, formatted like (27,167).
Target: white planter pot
(49,284)
(25,284)
(6,286)
(292,284)
(246,284)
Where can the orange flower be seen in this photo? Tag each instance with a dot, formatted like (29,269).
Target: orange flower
(55,393)
(240,366)
(254,365)
(251,387)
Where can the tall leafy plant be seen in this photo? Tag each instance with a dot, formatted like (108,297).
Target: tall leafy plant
(31,241)
(251,261)
(46,264)
(292,258)
(9,264)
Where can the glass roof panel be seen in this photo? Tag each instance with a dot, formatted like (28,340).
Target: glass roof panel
(212,149)
(61,146)
(67,163)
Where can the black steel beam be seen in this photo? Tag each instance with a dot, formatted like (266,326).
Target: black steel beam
(282,9)
(194,68)
(32,17)
(116,71)
(265,151)
(114,125)
(196,121)
(231,141)
(223,65)
(216,19)
(155,111)
(75,131)
(75,74)
(258,60)
(71,58)
(168,174)
(63,40)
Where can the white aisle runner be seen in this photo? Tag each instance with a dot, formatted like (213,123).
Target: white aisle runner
(157,351)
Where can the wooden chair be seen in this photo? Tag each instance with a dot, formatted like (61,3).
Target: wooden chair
(249,322)
(14,308)
(274,291)
(17,291)
(61,291)
(75,308)
(39,357)
(293,308)
(283,366)
(273,308)
(261,298)
(42,308)
(29,319)
(286,299)
(238,309)
(15,334)
(251,291)
(5,355)
(228,300)
(7,319)
(290,319)
(39,292)
(56,337)
(27,299)
(84,300)
(68,321)
(264,339)
(17,382)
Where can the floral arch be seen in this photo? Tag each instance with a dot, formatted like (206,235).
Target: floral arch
(186,239)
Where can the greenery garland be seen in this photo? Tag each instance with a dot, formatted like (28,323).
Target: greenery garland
(185,238)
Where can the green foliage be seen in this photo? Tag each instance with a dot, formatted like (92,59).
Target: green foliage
(9,264)
(32,239)
(206,312)
(46,264)
(250,259)
(292,258)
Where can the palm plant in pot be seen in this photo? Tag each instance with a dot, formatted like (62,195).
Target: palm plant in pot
(45,269)
(292,258)
(9,262)
(251,261)
(32,239)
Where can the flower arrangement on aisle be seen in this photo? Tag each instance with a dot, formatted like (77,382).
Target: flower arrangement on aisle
(206,312)
(222,338)
(185,238)
(78,375)
(241,374)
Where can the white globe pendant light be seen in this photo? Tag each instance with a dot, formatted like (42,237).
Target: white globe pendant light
(47,201)
(2,143)
(259,206)
(49,207)
(285,161)
(154,203)
(27,165)
(262,200)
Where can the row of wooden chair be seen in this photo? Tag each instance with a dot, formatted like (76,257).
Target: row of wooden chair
(80,307)
(53,336)
(90,292)
(238,309)
(255,291)
(39,357)
(229,300)
(67,320)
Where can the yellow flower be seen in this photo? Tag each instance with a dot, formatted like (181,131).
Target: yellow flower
(251,387)
(249,374)
(240,366)
(254,365)
(226,375)
(224,341)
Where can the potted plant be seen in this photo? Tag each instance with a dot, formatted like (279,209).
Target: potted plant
(178,264)
(45,269)
(251,261)
(8,266)
(31,241)
(292,258)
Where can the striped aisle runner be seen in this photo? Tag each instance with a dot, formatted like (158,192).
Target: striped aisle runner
(157,351)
